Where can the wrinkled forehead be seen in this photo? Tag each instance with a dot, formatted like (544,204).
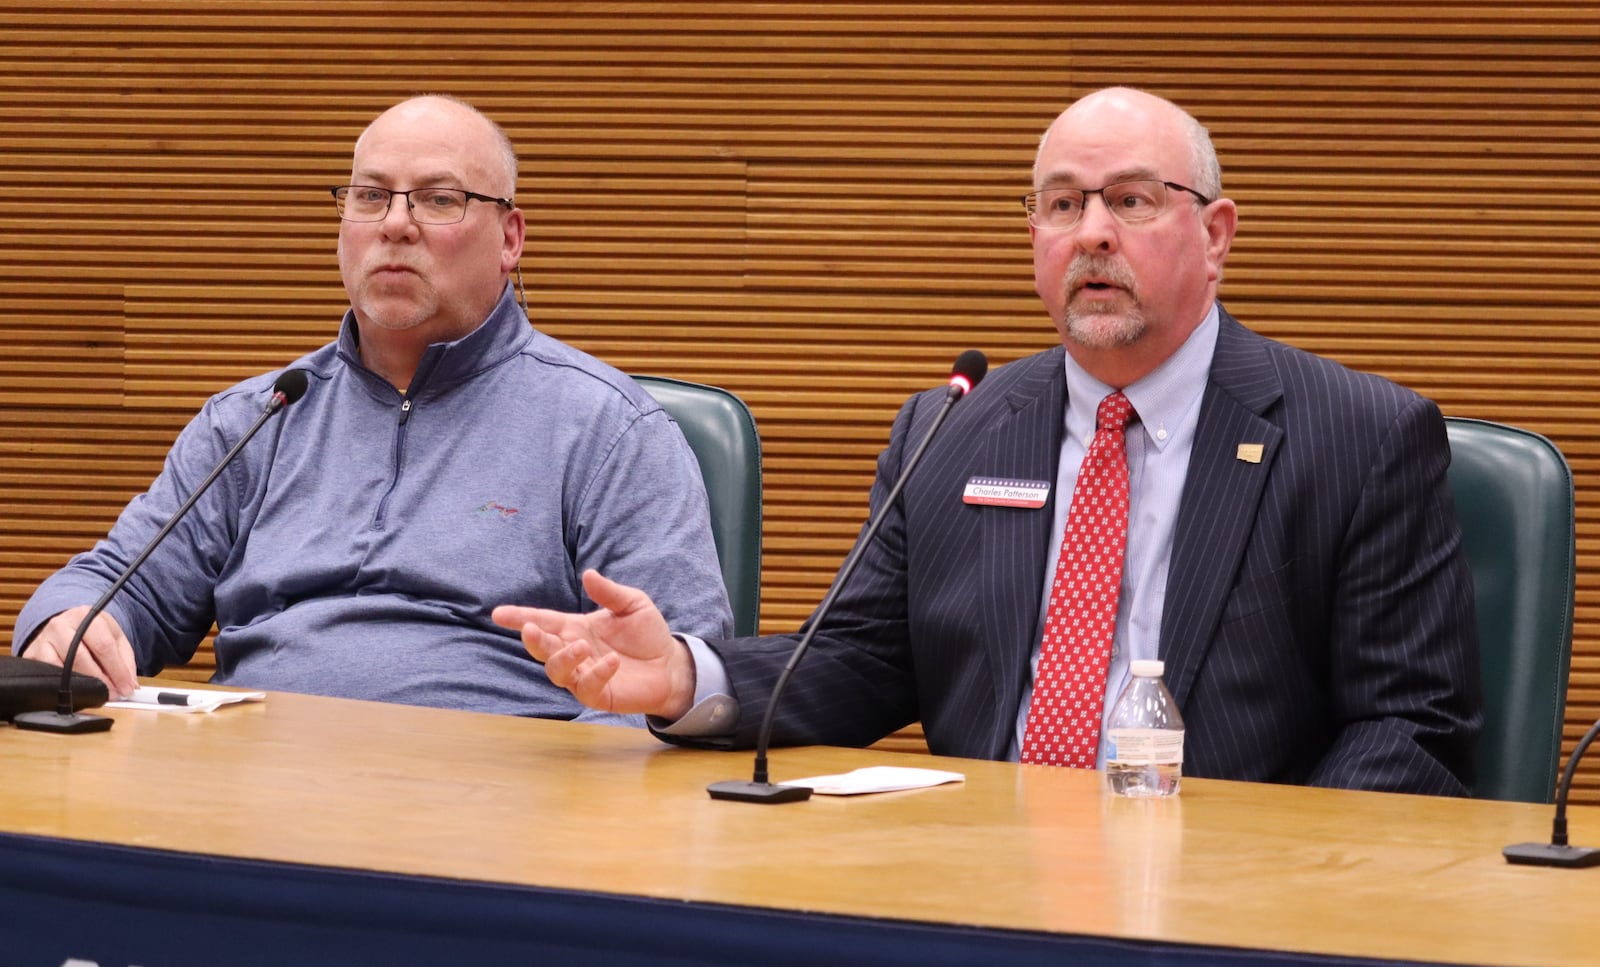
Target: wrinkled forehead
(1103,140)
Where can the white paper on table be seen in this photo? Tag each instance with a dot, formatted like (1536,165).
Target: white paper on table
(876,779)
(149,698)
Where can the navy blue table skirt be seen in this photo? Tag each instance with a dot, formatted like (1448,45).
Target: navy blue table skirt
(111,905)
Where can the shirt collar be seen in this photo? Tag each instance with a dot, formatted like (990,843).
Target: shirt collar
(1164,398)
(444,364)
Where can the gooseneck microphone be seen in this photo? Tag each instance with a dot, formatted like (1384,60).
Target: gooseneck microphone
(1557,852)
(968,371)
(290,386)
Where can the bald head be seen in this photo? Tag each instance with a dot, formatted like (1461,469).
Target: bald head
(500,161)
(1127,288)
(1126,107)
(413,283)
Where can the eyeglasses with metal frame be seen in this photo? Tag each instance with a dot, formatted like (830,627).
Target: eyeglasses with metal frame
(430,206)
(1129,202)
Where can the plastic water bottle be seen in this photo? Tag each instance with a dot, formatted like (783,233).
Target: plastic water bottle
(1144,739)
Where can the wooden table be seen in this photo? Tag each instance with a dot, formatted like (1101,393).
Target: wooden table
(594,810)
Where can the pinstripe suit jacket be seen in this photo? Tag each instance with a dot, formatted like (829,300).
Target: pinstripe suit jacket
(1318,624)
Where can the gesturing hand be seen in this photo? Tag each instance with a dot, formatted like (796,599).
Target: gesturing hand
(620,658)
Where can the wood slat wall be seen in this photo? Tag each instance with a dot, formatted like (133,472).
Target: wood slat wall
(812,204)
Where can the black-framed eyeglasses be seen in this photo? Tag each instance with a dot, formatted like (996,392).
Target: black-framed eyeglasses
(1128,201)
(429,206)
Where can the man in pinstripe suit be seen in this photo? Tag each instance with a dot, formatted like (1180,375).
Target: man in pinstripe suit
(1292,553)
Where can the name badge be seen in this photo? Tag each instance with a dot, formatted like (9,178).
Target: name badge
(998,492)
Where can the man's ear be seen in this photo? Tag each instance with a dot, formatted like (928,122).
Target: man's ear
(1221,220)
(516,231)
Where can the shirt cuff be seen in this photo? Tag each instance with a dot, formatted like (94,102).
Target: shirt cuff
(715,713)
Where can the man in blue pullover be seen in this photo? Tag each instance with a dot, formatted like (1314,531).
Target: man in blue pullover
(446,457)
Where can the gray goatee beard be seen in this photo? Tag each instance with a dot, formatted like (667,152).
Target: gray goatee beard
(1098,330)
(1101,331)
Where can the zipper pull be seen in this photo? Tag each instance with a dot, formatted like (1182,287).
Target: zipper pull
(405,410)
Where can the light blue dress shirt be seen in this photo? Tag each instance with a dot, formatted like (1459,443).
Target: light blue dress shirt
(1158,447)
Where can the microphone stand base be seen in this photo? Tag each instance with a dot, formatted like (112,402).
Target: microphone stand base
(764,792)
(1548,854)
(77,723)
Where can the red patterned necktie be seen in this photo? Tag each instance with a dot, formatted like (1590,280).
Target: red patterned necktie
(1075,653)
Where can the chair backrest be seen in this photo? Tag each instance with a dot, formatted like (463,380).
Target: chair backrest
(723,436)
(1513,493)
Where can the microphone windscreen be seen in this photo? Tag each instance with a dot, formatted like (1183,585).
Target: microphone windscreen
(292,385)
(971,366)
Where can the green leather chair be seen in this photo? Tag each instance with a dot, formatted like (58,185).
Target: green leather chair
(1513,493)
(723,436)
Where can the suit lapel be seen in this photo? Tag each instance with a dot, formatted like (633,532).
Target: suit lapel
(1221,497)
(1024,443)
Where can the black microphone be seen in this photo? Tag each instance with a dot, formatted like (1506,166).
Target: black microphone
(968,371)
(1557,852)
(290,386)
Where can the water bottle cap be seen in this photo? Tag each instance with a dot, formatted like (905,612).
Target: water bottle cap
(1147,667)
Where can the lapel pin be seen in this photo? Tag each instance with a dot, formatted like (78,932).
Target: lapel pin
(1250,452)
